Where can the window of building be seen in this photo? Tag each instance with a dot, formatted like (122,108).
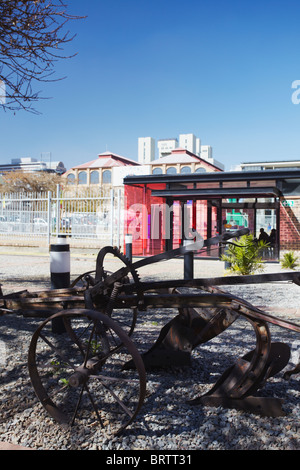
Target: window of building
(71,179)
(252,168)
(200,170)
(185,170)
(82,177)
(94,177)
(106,177)
(157,171)
(171,171)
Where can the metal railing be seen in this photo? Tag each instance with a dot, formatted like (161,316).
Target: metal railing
(80,214)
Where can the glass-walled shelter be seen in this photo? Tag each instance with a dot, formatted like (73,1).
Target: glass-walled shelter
(164,210)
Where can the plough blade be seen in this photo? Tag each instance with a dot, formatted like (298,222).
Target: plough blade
(230,393)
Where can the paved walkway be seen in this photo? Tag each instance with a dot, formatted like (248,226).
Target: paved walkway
(86,259)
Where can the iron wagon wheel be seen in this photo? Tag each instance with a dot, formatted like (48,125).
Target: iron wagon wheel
(126,319)
(82,378)
(83,279)
(112,283)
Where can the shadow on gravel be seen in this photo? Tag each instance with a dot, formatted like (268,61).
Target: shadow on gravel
(165,413)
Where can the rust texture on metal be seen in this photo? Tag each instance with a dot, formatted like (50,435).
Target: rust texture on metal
(91,309)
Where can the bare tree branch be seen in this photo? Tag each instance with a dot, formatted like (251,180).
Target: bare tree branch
(32,40)
(18,181)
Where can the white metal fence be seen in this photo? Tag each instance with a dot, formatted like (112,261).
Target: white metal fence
(80,214)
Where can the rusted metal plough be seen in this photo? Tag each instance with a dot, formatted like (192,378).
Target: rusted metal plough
(96,364)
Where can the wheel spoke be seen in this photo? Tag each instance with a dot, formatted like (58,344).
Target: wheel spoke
(77,406)
(57,351)
(114,379)
(94,405)
(123,406)
(89,345)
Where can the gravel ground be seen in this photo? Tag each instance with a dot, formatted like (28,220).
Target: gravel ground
(166,421)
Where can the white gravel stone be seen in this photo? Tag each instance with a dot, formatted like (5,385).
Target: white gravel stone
(166,421)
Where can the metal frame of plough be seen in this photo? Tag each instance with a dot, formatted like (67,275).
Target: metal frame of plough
(204,311)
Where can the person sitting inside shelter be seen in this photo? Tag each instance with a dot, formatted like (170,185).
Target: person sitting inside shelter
(263,235)
(272,241)
(272,238)
(265,238)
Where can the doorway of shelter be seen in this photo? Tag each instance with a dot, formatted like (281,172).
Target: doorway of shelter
(266,227)
(261,222)
(195,217)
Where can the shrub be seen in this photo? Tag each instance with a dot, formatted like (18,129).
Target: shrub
(289,260)
(245,257)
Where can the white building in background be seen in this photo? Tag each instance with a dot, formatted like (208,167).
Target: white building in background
(146,150)
(30,165)
(189,142)
(206,152)
(165,146)
(267,165)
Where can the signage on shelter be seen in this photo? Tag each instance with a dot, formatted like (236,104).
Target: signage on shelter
(287,203)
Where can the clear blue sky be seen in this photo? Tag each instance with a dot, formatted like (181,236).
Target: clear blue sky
(222,70)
